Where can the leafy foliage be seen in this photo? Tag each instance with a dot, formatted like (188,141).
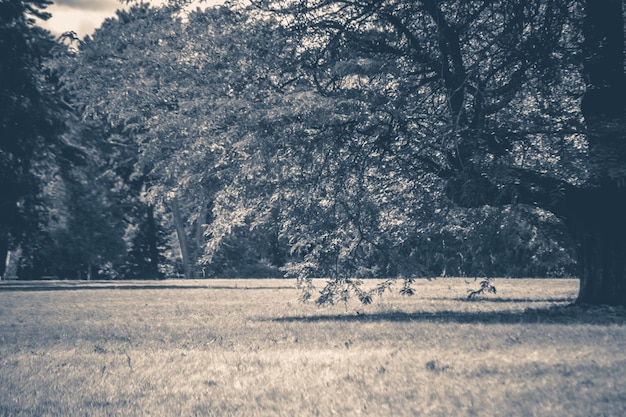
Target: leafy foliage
(346,140)
(32,120)
(355,162)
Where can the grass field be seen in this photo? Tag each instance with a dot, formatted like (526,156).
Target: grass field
(249,348)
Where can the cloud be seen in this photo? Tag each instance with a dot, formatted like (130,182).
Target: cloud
(91,5)
(84,16)
(82,22)
(81,16)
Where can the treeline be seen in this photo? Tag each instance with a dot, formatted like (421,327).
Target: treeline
(364,139)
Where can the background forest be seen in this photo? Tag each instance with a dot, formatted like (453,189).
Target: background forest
(305,139)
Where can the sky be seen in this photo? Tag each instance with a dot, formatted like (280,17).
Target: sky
(84,16)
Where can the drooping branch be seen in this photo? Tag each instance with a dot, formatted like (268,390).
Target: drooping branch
(417,53)
(452,65)
(518,186)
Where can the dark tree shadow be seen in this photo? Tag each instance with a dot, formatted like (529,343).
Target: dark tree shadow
(506,300)
(570,314)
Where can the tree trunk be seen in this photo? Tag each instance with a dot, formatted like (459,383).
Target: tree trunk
(598,212)
(597,221)
(4,251)
(183,240)
(199,239)
(153,242)
(12,262)
(602,259)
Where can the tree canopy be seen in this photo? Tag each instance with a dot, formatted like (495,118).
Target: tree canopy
(32,119)
(479,105)
(343,139)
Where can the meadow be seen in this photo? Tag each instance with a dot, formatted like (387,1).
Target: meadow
(249,348)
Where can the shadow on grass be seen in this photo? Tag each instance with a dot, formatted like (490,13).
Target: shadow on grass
(506,300)
(570,314)
(73,286)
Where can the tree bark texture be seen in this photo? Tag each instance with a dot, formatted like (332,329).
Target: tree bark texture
(199,228)
(602,265)
(598,212)
(597,222)
(183,240)
(153,249)
(13,262)
(4,250)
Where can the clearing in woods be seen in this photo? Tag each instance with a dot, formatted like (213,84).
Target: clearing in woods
(249,348)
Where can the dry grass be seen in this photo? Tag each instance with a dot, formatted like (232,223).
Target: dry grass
(248,348)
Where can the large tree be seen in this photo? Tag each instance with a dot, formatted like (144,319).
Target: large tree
(32,118)
(482,100)
(595,212)
(178,95)
(125,81)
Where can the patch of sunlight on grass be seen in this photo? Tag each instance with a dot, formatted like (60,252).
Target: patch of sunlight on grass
(248,348)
